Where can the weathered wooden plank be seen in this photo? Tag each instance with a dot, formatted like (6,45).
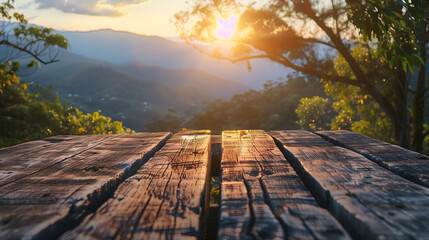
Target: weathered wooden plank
(370,201)
(408,164)
(263,198)
(166,199)
(22,160)
(63,187)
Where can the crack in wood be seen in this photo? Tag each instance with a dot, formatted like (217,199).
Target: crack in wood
(276,201)
(160,200)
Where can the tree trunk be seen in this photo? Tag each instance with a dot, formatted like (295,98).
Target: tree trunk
(398,111)
(419,105)
(401,120)
(402,128)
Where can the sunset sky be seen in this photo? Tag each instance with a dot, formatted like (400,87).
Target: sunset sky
(147,17)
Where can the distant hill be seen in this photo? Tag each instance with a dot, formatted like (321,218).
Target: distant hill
(136,78)
(122,47)
(133,93)
(204,82)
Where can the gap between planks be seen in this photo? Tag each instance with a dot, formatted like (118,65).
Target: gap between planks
(263,198)
(167,198)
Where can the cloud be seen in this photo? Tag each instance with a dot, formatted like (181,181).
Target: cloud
(121,3)
(88,7)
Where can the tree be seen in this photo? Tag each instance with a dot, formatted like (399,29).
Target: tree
(357,110)
(404,25)
(314,113)
(268,109)
(26,116)
(18,40)
(294,33)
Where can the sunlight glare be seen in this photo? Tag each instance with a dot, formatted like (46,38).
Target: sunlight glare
(226,28)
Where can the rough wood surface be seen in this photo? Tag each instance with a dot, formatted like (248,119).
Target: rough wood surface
(370,201)
(263,198)
(408,164)
(165,199)
(28,158)
(55,182)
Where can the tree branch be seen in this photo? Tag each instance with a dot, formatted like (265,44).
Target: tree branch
(317,73)
(284,62)
(339,45)
(23,49)
(314,40)
(358,72)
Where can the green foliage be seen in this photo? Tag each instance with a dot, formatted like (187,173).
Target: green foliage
(26,116)
(282,32)
(214,190)
(32,35)
(8,76)
(94,123)
(39,43)
(355,109)
(314,113)
(352,108)
(358,112)
(395,24)
(5,9)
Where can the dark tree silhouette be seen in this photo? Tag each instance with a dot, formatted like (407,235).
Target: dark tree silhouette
(293,33)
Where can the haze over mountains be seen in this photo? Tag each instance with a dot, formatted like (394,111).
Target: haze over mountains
(133,93)
(138,79)
(123,47)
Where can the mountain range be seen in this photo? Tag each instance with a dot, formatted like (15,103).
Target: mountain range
(138,79)
(122,47)
(134,93)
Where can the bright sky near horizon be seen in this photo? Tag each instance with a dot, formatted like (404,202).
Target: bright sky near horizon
(147,17)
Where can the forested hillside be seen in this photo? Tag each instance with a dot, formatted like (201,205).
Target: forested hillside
(377,46)
(330,67)
(270,108)
(133,93)
(25,115)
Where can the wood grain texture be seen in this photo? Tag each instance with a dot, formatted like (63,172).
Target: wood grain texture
(263,198)
(370,201)
(25,159)
(166,199)
(56,185)
(408,164)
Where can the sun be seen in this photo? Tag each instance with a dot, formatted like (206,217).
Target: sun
(226,28)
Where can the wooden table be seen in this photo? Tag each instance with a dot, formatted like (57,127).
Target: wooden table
(274,185)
